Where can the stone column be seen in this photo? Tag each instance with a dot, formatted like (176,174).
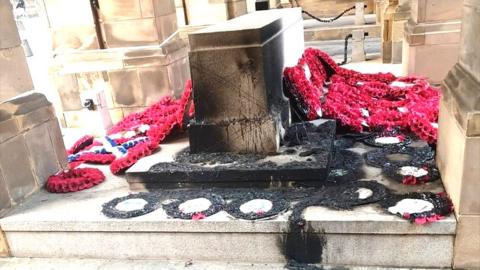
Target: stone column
(31,144)
(395,18)
(432,37)
(236,70)
(458,150)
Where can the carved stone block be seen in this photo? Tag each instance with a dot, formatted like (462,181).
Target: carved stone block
(240,99)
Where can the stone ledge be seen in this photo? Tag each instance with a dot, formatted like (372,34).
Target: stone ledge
(432,33)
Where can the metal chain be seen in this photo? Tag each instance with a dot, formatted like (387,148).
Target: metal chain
(328,20)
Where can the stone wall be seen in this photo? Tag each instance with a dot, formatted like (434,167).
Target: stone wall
(205,12)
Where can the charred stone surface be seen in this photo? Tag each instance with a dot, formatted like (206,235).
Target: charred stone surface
(305,156)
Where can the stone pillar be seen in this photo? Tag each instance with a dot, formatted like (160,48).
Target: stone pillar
(458,150)
(31,143)
(396,16)
(239,103)
(359,13)
(432,37)
(14,74)
(205,12)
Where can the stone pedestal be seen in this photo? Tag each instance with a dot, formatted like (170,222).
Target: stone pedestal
(14,75)
(395,18)
(205,12)
(130,79)
(432,37)
(458,151)
(32,148)
(236,71)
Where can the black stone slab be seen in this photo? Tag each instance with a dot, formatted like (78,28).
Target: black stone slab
(304,156)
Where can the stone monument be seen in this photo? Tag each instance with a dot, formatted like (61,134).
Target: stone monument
(241,134)
(458,150)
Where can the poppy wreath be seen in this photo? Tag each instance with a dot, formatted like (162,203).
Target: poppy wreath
(136,136)
(172,208)
(81,144)
(418,155)
(74,180)
(402,139)
(442,206)
(279,204)
(109,209)
(393,172)
(361,102)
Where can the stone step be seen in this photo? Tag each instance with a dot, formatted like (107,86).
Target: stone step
(317,31)
(95,264)
(72,226)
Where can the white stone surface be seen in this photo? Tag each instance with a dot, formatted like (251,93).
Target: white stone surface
(92,264)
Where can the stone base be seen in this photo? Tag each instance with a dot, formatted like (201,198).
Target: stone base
(296,161)
(467,243)
(72,226)
(32,148)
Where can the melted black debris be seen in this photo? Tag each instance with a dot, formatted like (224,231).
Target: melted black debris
(109,210)
(380,157)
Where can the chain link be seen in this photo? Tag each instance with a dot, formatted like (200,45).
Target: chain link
(328,20)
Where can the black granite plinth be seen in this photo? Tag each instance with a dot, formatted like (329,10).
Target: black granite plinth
(305,155)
